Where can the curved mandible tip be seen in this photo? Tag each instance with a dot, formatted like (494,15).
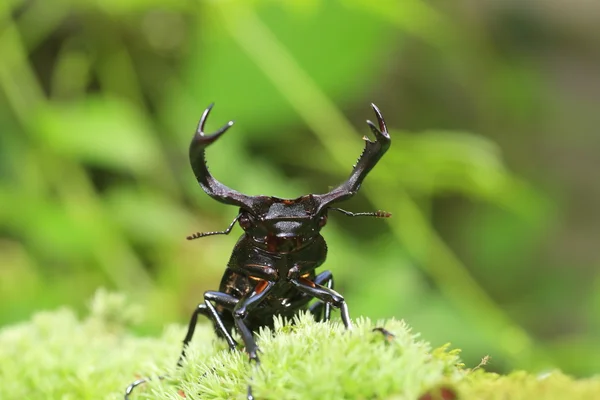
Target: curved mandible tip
(201,137)
(381,133)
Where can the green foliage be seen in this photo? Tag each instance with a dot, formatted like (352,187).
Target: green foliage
(58,356)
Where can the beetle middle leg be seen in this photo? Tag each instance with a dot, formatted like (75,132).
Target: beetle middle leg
(316,309)
(326,295)
(321,310)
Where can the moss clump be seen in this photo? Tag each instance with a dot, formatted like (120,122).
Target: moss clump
(58,356)
(521,385)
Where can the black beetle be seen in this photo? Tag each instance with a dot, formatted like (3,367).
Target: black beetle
(272,267)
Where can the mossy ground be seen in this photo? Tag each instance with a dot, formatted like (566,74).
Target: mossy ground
(58,356)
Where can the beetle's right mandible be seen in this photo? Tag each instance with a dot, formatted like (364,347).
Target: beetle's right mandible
(209,184)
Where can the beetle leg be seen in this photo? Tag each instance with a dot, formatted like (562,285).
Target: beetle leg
(200,309)
(226,301)
(241,309)
(132,386)
(209,310)
(324,278)
(244,305)
(389,336)
(316,309)
(326,295)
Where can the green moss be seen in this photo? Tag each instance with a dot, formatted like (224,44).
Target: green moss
(58,356)
(521,385)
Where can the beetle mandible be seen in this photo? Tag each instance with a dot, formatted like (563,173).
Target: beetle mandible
(272,267)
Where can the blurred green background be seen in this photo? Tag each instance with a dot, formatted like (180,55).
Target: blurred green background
(491,177)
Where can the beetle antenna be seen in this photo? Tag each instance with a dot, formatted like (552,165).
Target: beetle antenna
(198,235)
(376,214)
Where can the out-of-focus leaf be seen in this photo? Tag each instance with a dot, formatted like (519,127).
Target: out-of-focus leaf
(578,354)
(120,7)
(501,245)
(146,215)
(594,306)
(319,44)
(414,16)
(99,131)
(434,161)
(439,322)
(39,19)
(43,225)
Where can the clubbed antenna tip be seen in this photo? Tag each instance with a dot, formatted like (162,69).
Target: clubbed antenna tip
(382,214)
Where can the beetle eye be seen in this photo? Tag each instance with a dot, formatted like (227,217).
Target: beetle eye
(245,222)
(322,220)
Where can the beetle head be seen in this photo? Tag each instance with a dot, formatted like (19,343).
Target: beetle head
(280,222)
(283,225)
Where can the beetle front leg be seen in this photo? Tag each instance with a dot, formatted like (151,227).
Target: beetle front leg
(244,305)
(241,309)
(208,309)
(325,294)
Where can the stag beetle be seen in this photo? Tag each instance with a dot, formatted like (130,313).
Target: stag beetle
(272,267)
